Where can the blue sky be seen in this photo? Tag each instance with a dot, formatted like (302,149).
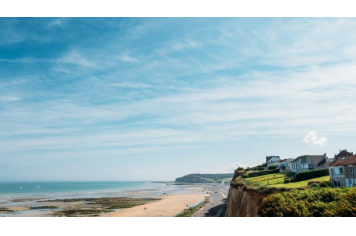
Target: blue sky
(157,98)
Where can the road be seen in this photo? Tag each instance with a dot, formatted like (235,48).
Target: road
(217,202)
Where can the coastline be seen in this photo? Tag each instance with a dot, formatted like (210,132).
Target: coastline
(158,199)
(169,205)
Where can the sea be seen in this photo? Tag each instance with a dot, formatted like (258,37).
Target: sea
(49,190)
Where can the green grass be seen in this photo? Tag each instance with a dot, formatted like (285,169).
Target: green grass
(43,207)
(189,212)
(98,205)
(3,209)
(265,180)
(301,184)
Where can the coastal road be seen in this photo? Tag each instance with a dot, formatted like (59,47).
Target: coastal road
(217,202)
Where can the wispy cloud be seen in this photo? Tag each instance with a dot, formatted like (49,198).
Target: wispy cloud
(193,89)
(55,22)
(73,57)
(126,58)
(131,85)
(9,98)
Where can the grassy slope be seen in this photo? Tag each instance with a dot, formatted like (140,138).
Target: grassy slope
(301,184)
(192,210)
(267,179)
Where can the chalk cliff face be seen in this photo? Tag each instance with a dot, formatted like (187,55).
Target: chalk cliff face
(243,201)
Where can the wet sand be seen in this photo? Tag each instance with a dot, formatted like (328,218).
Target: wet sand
(173,200)
(169,205)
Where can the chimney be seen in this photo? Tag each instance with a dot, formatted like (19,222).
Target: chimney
(325,157)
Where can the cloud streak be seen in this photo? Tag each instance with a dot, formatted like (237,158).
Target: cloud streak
(128,92)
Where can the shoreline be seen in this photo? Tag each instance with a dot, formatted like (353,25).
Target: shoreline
(169,205)
(167,200)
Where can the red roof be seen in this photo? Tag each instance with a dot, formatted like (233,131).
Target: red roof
(350,160)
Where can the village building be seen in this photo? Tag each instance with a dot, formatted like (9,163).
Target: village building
(284,166)
(309,162)
(342,170)
(271,161)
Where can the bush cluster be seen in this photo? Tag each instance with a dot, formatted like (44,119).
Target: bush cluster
(325,184)
(305,175)
(263,172)
(314,202)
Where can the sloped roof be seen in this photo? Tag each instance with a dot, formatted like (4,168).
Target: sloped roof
(316,160)
(350,160)
(343,153)
(269,157)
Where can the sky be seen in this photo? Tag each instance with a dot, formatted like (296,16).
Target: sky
(85,99)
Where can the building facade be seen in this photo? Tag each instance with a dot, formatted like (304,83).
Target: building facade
(342,171)
(309,162)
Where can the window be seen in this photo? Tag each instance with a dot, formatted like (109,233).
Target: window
(332,172)
(336,183)
(350,182)
(294,166)
(351,169)
(305,166)
(341,170)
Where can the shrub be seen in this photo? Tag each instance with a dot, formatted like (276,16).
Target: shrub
(315,185)
(312,202)
(286,181)
(305,175)
(324,184)
(312,182)
(263,172)
(272,167)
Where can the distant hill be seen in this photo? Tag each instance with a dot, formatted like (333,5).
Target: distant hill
(205,178)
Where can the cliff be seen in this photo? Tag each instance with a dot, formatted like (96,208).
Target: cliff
(244,200)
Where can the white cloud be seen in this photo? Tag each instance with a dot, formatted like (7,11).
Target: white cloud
(131,85)
(126,58)
(76,58)
(235,165)
(9,98)
(56,22)
(313,139)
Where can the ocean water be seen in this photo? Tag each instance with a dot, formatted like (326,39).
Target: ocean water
(10,190)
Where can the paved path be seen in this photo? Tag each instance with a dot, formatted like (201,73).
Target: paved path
(217,202)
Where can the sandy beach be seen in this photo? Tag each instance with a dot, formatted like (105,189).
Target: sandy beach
(169,205)
(159,200)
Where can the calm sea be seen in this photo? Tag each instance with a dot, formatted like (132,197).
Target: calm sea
(33,189)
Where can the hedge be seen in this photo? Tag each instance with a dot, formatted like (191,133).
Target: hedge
(305,175)
(314,202)
(264,172)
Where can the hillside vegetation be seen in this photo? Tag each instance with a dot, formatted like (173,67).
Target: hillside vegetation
(287,180)
(205,178)
(313,202)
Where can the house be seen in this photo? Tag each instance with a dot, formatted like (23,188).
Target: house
(343,153)
(284,165)
(309,162)
(342,171)
(271,161)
